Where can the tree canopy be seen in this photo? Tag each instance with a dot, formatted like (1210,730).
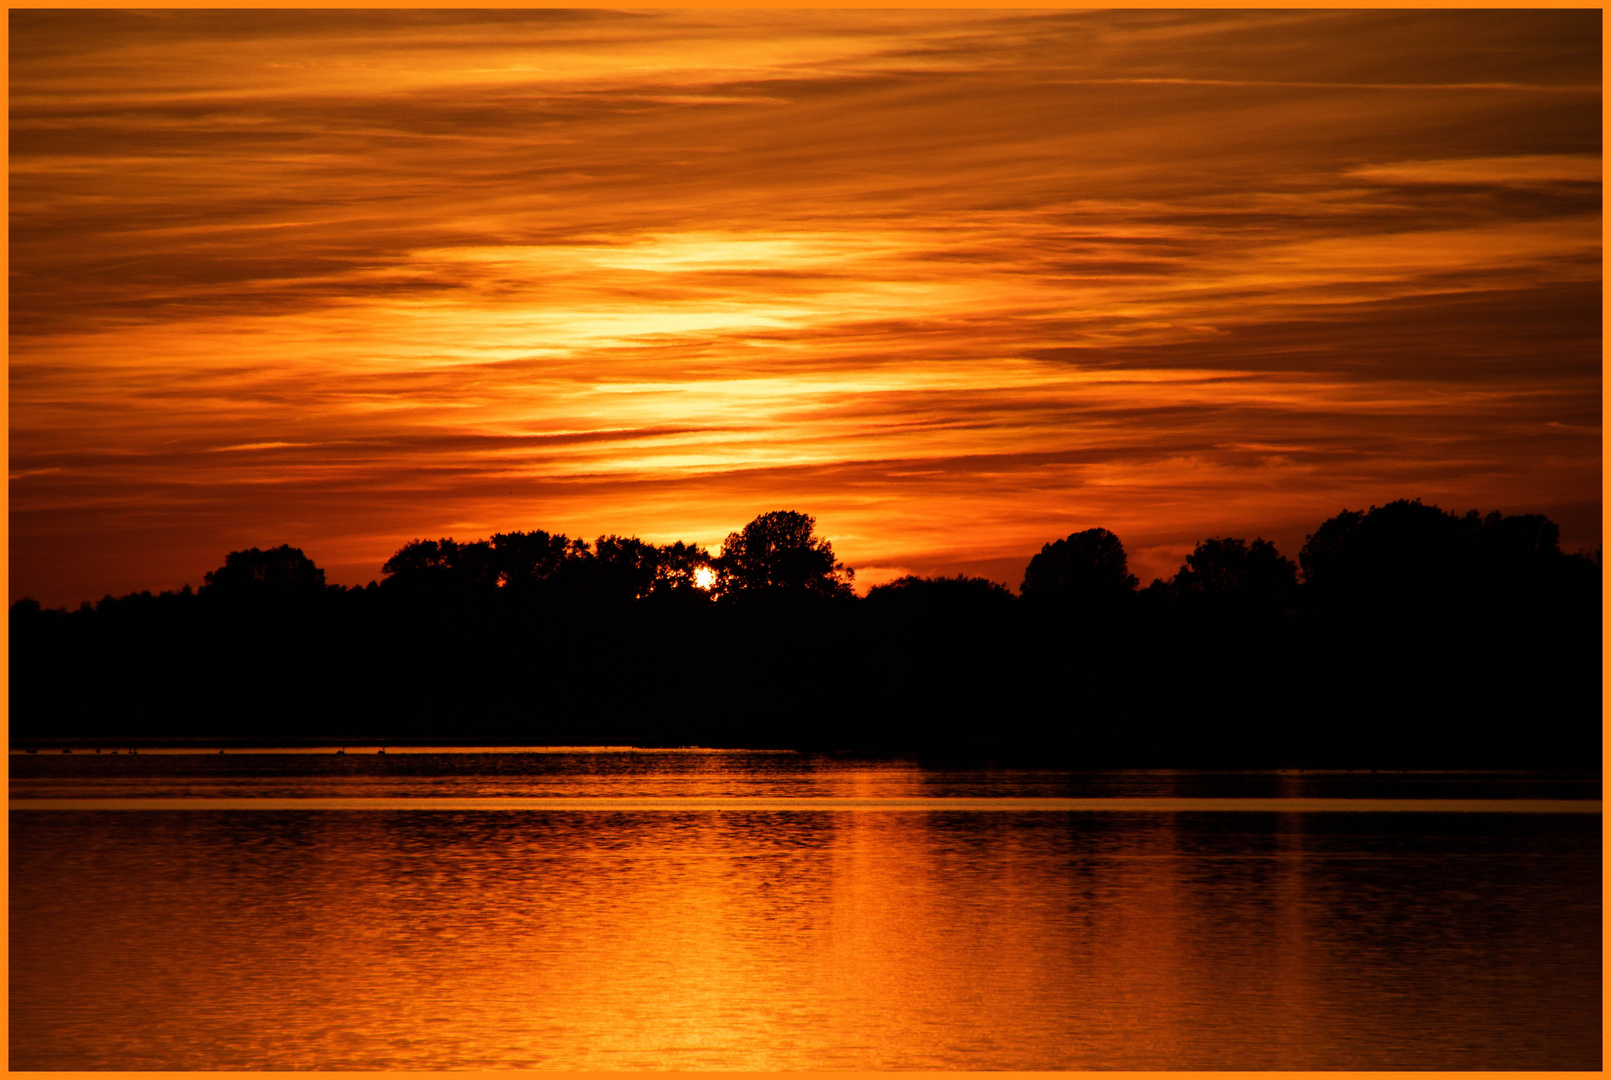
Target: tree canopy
(533,637)
(1230,570)
(939,595)
(279,571)
(518,559)
(612,569)
(630,568)
(1087,567)
(779,551)
(1407,552)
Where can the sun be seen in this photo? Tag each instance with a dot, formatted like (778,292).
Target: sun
(704,577)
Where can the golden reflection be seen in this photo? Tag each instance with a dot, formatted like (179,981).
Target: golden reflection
(760,940)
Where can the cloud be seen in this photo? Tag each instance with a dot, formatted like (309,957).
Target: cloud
(1519,170)
(956,281)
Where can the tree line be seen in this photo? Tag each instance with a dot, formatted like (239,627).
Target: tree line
(1404,552)
(1401,634)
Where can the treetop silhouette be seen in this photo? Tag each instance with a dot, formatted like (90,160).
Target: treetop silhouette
(613,569)
(1407,551)
(523,559)
(779,551)
(278,571)
(1087,567)
(1230,570)
(927,597)
(531,638)
(631,569)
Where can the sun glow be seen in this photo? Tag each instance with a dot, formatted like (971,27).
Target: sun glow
(670,271)
(705,578)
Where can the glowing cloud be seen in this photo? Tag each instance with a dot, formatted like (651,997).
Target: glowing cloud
(956,282)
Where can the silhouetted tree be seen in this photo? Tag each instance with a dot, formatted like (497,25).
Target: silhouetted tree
(1402,550)
(940,595)
(525,559)
(522,561)
(1228,570)
(531,637)
(278,571)
(677,569)
(779,551)
(426,566)
(1087,567)
(624,567)
(1409,552)
(1519,557)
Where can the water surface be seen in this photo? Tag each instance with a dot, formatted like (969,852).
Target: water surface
(742,935)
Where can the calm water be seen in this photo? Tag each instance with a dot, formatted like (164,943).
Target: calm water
(735,935)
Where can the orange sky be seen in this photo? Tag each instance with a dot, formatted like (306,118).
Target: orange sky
(957,282)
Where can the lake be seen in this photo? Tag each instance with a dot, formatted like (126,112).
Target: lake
(514,908)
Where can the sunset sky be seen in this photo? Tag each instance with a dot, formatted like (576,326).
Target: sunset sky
(956,282)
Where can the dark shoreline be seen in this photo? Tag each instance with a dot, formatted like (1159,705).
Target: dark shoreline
(377,746)
(1415,639)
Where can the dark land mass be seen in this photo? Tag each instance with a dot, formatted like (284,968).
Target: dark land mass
(1408,637)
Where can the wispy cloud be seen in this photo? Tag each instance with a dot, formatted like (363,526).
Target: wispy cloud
(957,282)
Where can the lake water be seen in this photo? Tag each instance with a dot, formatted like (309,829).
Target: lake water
(725,910)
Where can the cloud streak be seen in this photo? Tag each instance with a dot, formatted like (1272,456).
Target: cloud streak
(956,282)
